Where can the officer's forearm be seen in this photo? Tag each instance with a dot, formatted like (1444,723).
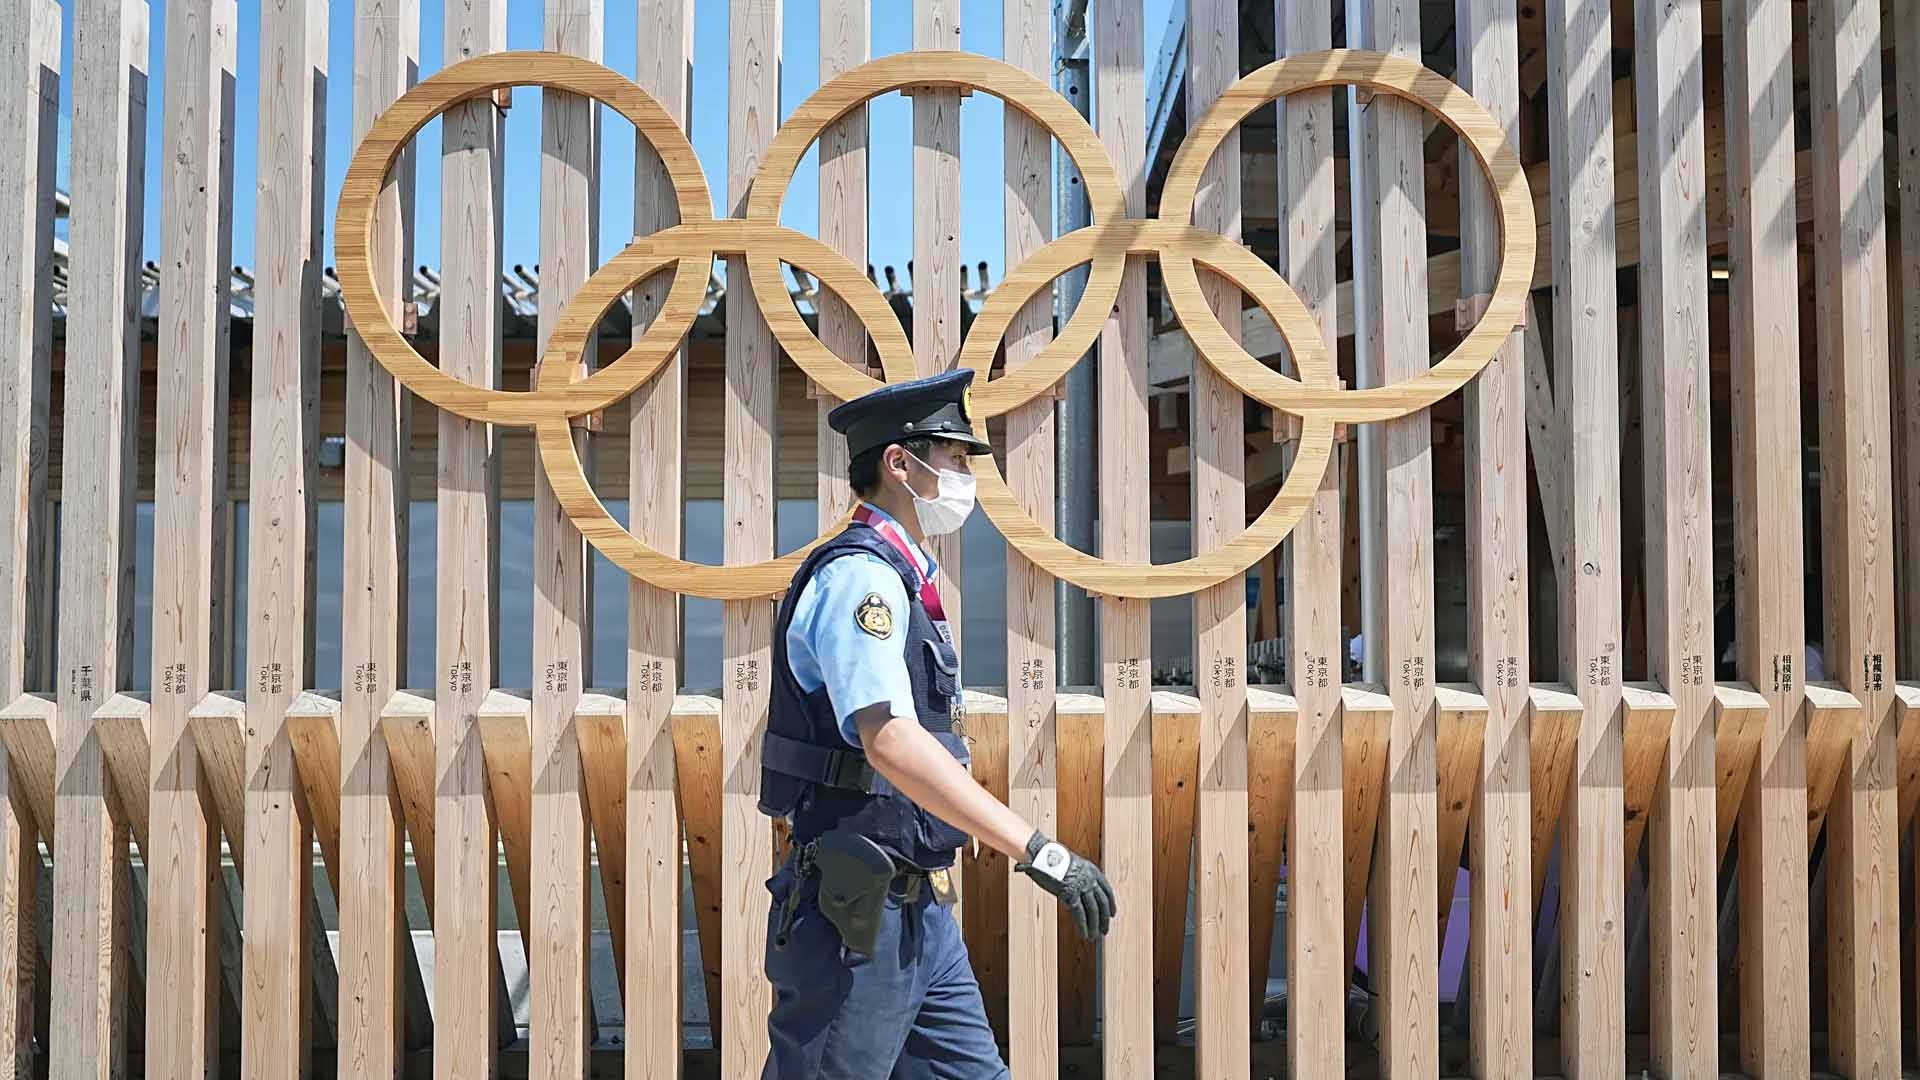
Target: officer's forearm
(915,762)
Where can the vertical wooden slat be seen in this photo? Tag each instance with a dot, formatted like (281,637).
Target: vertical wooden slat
(30,51)
(1272,723)
(557,940)
(1586,354)
(1391,344)
(983,915)
(843,227)
(1906,400)
(696,747)
(1175,753)
(507,745)
(1126,663)
(102,402)
(275,1036)
(30,64)
(190,475)
(1765,359)
(1671,119)
(1318,965)
(603,759)
(1850,258)
(380,985)
(1368,716)
(1460,728)
(753,113)
(465,958)
(1032,717)
(1219,613)
(654,860)
(1906,403)
(1500,945)
(23,977)
(936,245)
(1079,731)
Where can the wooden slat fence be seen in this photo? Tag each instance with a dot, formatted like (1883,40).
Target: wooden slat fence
(233,886)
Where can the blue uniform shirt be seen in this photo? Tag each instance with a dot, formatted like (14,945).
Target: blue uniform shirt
(826,645)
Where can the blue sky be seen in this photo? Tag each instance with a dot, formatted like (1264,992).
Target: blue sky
(890,157)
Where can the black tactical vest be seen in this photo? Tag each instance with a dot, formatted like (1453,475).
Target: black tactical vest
(810,775)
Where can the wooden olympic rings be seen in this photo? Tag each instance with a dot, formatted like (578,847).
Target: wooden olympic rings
(560,393)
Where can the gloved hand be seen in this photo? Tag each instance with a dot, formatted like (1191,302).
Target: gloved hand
(1075,881)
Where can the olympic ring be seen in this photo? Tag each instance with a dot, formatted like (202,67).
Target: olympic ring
(560,393)
(1457,109)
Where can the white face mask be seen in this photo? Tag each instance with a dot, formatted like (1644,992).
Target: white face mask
(946,511)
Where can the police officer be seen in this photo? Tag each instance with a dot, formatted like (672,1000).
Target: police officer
(863,754)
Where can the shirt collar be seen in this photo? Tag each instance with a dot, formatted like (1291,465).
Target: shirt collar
(922,561)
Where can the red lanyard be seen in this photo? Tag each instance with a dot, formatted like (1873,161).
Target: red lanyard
(890,531)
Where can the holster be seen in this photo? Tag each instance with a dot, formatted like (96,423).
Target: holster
(855,874)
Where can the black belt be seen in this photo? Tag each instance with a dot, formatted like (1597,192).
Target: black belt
(836,768)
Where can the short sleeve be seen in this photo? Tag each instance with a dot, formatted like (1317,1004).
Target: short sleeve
(854,631)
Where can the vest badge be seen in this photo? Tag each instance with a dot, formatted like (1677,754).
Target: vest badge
(874,616)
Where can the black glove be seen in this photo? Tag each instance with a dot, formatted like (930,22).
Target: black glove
(1076,882)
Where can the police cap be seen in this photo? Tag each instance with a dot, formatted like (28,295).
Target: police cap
(935,407)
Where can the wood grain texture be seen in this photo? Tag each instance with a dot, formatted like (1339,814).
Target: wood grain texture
(1220,962)
(466,968)
(381,991)
(1833,721)
(275,1035)
(1586,356)
(936,247)
(1765,349)
(1906,356)
(987,873)
(1391,346)
(191,567)
(1646,726)
(1857,527)
(406,726)
(1033,939)
(122,725)
(1500,944)
(753,96)
(603,756)
(108,146)
(1556,732)
(1175,751)
(30,55)
(1272,725)
(1368,726)
(1671,122)
(1906,708)
(654,857)
(26,730)
(313,727)
(1460,729)
(697,750)
(23,978)
(216,724)
(1740,719)
(843,227)
(1137,1007)
(1317,968)
(1082,735)
(562,1021)
(29,147)
(506,743)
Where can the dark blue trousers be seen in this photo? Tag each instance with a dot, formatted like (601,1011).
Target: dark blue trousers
(911,1011)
